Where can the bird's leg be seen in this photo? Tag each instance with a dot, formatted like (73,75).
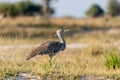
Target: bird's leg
(50,60)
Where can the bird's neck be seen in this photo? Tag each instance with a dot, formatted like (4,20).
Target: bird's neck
(61,38)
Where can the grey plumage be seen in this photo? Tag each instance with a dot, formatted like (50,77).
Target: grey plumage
(50,47)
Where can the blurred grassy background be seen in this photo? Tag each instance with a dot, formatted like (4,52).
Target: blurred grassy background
(35,27)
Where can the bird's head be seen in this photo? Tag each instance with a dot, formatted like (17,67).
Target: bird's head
(61,31)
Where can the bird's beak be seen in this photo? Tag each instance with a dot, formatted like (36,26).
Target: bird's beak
(66,30)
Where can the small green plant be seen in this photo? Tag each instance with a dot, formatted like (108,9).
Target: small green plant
(112,61)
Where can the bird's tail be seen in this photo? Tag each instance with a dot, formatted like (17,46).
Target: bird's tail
(30,56)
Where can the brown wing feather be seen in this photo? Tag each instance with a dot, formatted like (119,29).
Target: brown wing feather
(40,50)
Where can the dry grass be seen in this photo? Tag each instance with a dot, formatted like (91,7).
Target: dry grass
(70,64)
(30,27)
(36,21)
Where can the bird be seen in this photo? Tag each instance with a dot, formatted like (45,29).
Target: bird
(50,47)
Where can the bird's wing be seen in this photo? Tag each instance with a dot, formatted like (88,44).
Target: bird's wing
(54,47)
(41,49)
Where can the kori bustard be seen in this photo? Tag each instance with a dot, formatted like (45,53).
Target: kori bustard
(50,47)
